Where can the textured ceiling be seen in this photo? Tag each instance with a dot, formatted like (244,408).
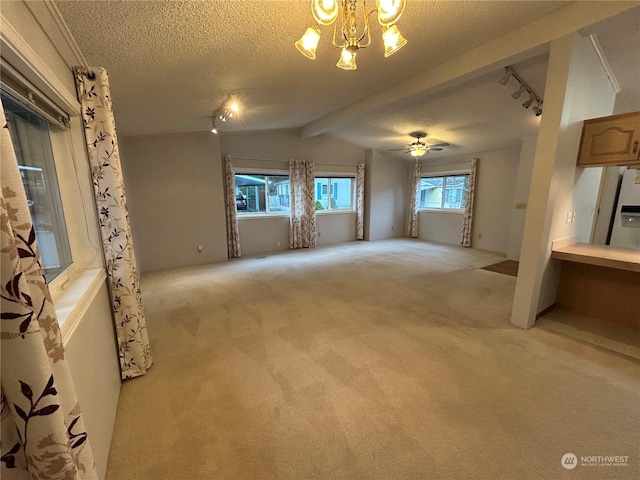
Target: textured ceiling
(171,63)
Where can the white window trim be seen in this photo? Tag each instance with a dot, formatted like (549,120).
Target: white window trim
(335,212)
(74,297)
(253,216)
(74,289)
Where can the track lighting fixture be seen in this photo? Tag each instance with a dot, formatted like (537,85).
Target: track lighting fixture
(227,108)
(522,87)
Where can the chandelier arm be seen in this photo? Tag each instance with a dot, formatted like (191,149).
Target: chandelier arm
(367,29)
(335,31)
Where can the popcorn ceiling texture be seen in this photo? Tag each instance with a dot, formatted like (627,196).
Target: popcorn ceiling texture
(170,63)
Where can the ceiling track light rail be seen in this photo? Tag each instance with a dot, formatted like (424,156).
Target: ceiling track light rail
(226,110)
(533,97)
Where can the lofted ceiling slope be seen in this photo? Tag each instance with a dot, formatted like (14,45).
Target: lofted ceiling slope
(171,63)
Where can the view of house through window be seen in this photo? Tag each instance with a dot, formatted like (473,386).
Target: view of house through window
(32,144)
(263,193)
(334,193)
(258,193)
(444,192)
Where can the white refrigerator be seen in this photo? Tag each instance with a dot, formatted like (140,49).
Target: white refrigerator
(626,227)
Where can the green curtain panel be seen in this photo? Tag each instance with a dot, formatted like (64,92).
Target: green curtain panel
(43,434)
(124,282)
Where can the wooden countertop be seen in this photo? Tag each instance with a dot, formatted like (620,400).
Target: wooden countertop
(600,255)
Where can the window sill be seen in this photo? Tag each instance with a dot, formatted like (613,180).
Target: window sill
(334,212)
(74,298)
(441,210)
(252,216)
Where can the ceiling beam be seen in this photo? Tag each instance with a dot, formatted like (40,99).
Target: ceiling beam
(524,42)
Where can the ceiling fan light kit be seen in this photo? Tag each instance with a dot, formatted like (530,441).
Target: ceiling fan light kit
(418,148)
(352,36)
(522,87)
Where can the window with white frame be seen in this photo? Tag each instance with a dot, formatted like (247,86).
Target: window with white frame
(334,193)
(443,192)
(258,193)
(30,134)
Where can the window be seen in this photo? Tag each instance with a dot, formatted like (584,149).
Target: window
(32,143)
(334,193)
(444,192)
(259,193)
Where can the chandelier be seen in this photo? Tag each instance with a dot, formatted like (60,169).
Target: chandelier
(350,37)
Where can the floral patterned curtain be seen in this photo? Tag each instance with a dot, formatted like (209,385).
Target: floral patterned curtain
(412,229)
(360,202)
(302,220)
(467,221)
(233,234)
(113,216)
(43,434)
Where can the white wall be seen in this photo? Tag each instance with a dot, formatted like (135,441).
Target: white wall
(176,200)
(495,187)
(577,88)
(387,196)
(521,195)
(271,151)
(91,350)
(91,353)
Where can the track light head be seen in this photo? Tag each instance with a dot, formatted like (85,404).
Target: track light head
(505,78)
(528,103)
(538,109)
(518,92)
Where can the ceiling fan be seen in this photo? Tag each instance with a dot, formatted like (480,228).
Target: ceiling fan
(419,148)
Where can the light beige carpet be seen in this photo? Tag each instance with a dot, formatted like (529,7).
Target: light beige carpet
(371,360)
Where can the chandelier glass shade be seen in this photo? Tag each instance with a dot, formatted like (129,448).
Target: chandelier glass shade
(349,33)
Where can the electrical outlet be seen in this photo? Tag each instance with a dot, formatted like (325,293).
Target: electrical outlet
(277,244)
(568,217)
(318,234)
(479,236)
(200,248)
(573,217)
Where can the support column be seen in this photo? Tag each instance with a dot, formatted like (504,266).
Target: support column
(577,88)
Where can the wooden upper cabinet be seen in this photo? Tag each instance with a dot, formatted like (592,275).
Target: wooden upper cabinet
(613,140)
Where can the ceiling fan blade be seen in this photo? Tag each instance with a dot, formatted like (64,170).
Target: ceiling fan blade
(437,149)
(396,150)
(438,145)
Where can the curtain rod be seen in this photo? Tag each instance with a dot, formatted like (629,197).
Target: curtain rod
(233,157)
(445,163)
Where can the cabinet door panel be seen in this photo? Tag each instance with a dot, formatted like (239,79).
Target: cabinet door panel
(612,141)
